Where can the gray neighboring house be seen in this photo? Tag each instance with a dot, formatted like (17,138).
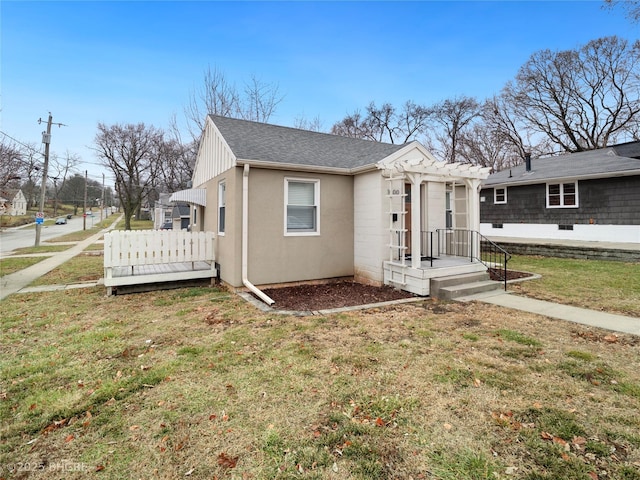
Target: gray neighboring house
(181,216)
(290,205)
(587,196)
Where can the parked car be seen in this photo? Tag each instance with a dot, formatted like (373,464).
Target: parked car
(167,226)
(61,221)
(69,216)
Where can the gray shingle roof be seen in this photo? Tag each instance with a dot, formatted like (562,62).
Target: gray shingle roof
(272,143)
(630,149)
(604,162)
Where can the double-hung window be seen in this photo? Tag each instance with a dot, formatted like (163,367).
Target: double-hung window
(222,207)
(562,195)
(500,195)
(302,205)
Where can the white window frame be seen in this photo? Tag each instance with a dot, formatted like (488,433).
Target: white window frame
(222,207)
(495,195)
(562,194)
(316,201)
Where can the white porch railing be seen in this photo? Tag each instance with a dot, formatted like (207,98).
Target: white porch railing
(153,256)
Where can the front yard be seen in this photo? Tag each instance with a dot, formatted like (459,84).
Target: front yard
(196,383)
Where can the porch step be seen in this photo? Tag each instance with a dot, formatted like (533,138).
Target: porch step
(455,286)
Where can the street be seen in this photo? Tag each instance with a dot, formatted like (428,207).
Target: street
(13,238)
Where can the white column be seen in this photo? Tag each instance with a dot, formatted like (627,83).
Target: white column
(473,201)
(416,215)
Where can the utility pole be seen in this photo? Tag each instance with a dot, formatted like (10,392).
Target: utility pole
(84,208)
(46,139)
(102,201)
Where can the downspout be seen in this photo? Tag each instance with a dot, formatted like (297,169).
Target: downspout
(245,239)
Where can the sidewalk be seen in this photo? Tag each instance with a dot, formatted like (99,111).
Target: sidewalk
(17,281)
(592,318)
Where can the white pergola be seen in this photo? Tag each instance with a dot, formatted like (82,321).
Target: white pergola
(425,168)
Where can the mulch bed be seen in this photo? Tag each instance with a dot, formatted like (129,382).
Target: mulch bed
(324,296)
(332,295)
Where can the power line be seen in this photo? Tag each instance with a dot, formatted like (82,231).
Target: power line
(29,147)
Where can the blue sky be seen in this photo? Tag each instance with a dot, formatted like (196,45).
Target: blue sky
(129,62)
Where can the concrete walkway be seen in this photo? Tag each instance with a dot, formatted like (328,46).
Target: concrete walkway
(593,318)
(15,282)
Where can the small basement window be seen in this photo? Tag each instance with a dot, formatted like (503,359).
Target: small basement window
(565,227)
(496,225)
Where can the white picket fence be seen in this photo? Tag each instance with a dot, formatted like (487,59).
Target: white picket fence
(153,256)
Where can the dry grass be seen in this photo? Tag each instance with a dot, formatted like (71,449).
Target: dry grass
(195,383)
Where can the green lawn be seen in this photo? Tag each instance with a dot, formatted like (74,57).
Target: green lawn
(595,284)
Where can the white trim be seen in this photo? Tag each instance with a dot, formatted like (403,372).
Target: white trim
(316,201)
(495,196)
(580,232)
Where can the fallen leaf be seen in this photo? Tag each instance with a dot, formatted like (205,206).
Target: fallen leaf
(134,427)
(448,426)
(379,422)
(593,475)
(226,461)
(99,468)
(69,438)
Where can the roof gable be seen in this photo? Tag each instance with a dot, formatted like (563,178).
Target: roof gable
(601,163)
(274,144)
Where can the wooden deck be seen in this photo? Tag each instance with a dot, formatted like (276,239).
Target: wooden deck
(138,258)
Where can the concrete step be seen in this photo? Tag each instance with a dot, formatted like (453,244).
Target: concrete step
(457,279)
(464,285)
(467,289)
(436,284)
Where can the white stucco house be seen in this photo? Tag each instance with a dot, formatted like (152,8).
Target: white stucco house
(290,205)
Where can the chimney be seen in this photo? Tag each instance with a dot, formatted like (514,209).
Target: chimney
(527,161)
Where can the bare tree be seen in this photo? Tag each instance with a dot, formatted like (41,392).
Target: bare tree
(313,125)
(132,152)
(11,164)
(260,101)
(178,159)
(353,126)
(580,99)
(59,172)
(175,166)
(385,123)
(632,8)
(453,116)
(217,95)
(412,121)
